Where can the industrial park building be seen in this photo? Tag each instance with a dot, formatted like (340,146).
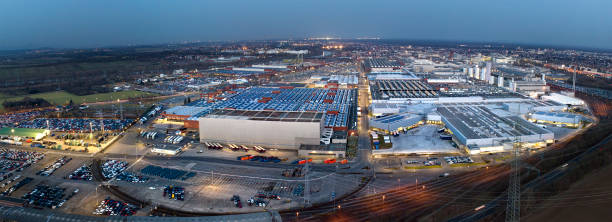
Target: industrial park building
(478,127)
(566,119)
(396,122)
(564,99)
(273,129)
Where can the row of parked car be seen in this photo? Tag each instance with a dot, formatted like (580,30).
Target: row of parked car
(167,173)
(5,175)
(76,125)
(234,147)
(174,192)
(56,165)
(131,177)
(9,181)
(8,165)
(260,158)
(458,159)
(18,160)
(112,168)
(115,208)
(46,196)
(21,156)
(19,184)
(81,173)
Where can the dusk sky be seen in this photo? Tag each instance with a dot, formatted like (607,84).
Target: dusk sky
(44,23)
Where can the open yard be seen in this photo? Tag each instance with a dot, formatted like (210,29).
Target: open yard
(62,97)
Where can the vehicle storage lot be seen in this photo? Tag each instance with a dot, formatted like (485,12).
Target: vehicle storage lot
(205,191)
(211,191)
(81,203)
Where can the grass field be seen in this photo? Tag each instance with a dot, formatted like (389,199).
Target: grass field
(62,97)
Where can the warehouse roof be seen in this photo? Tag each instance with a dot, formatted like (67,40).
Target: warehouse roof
(477,122)
(385,89)
(267,115)
(185,110)
(381,63)
(564,115)
(21,132)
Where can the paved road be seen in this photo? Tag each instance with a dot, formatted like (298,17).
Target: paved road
(364,147)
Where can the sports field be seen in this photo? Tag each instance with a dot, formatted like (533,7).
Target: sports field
(62,97)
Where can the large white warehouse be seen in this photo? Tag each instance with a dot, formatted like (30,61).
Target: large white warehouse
(563,99)
(478,126)
(567,119)
(273,129)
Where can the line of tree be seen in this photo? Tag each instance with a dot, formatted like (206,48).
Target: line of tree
(25,103)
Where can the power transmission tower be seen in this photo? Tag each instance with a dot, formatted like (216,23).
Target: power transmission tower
(513,208)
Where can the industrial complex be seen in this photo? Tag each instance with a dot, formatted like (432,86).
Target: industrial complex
(285,128)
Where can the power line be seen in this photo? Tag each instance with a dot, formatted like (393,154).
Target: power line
(513,208)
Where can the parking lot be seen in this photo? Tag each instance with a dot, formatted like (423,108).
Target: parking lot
(25,180)
(212,191)
(227,153)
(421,140)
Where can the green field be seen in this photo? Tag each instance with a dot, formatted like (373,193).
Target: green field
(62,97)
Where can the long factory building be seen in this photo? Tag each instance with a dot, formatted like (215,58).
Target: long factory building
(276,117)
(391,89)
(480,129)
(273,129)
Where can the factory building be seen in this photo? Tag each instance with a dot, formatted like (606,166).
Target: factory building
(399,89)
(396,122)
(531,88)
(381,65)
(559,119)
(382,108)
(479,129)
(393,76)
(339,105)
(184,114)
(335,81)
(275,129)
(563,99)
